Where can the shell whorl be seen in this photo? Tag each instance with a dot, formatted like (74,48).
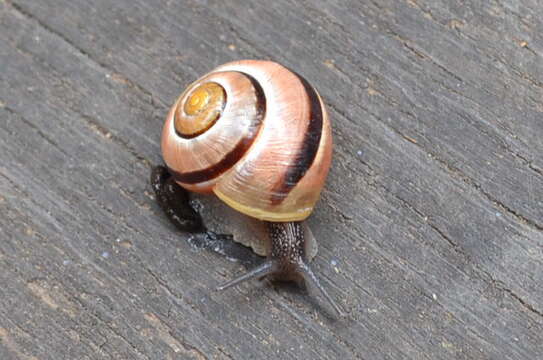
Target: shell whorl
(265,152)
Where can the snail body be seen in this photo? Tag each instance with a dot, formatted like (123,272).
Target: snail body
(258,136)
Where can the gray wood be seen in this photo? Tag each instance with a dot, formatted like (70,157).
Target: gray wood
(430,227)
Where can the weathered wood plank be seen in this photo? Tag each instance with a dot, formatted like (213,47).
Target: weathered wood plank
(433,213)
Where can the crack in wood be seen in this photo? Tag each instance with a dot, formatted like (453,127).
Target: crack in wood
(35,128)
(105,67)
(456,172)
(457,248)
(455,326)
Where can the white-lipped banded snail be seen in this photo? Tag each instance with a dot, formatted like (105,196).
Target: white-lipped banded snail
(258,136)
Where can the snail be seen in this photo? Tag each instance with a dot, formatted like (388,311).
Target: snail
(258,136)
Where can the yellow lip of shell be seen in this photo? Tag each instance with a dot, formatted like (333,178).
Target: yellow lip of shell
(268,215)
(200,110)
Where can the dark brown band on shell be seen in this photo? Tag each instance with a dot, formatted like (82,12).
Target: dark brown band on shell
(306,154)
(211,172)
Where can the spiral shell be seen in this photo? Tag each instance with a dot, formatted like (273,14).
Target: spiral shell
(255,134)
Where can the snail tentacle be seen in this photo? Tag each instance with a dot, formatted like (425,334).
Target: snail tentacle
(287,261)
(312,281)
(266,268)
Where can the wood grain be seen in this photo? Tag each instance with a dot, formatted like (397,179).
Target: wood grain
(430,228)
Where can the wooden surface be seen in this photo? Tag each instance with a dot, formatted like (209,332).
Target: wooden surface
(430,227)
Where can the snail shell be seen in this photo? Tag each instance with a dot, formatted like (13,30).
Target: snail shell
(258,136)
(254,133)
